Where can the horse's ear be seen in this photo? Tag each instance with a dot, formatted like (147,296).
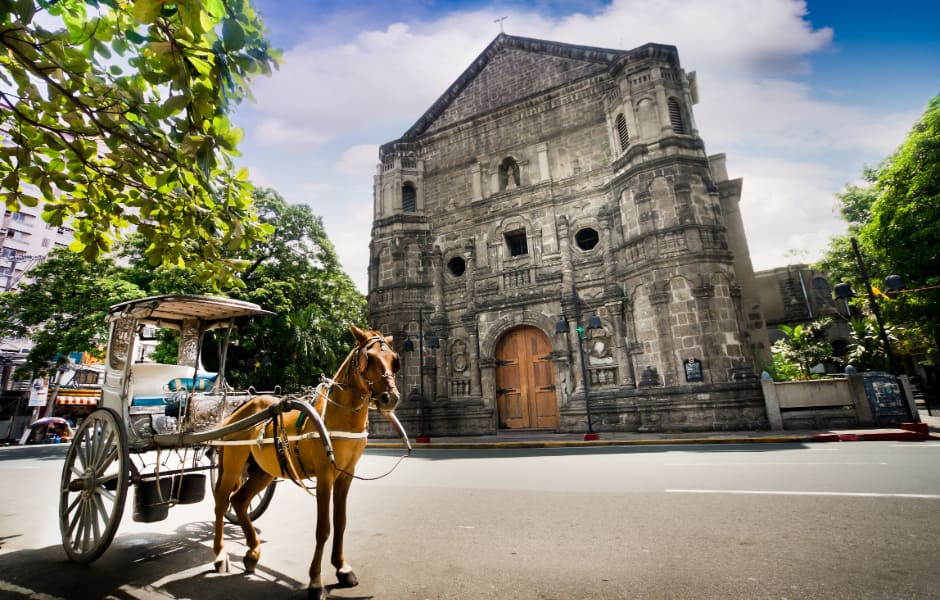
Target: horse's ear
(360,335)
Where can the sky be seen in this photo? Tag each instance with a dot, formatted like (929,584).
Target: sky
(799,95)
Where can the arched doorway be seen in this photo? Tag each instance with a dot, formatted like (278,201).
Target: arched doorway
(525,380)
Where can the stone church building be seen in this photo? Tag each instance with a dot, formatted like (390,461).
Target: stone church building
(556,189)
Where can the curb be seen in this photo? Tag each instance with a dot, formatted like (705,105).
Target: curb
(589,444)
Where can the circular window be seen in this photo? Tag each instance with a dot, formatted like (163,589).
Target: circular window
(456,266)
(586,238)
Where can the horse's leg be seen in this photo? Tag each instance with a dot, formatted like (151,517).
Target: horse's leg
(228,479)
(316,591)
(257,481)
(344,572)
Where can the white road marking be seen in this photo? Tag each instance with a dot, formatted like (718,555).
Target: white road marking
(28,593)
(764,464)
(805,493)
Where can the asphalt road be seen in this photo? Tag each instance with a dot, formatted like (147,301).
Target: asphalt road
(838,520)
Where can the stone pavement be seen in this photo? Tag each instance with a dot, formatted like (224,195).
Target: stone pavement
(928,428)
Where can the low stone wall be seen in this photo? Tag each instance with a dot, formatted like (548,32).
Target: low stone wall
(817,404)
(714,407)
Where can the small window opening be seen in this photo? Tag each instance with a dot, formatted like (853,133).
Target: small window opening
(516,242)
(675,116)
(586,238)
(622,132)
(457,266)
(409,198)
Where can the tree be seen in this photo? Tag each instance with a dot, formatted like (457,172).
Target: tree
(296,274)
(63,308)
(896,220)
(903,231)
(115,114)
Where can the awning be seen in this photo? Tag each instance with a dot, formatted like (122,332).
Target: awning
(78,397)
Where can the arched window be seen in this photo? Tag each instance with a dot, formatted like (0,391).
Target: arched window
(508,174)
(622,132)
(409,198)
(675,116)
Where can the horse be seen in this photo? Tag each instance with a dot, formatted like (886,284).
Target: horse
(366,378)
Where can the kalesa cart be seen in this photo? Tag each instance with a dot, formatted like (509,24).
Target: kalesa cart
(160,428)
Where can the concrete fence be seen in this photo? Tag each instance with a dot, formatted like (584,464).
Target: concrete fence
(842,402)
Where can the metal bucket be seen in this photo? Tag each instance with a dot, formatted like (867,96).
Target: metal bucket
(151,499)
(189,488)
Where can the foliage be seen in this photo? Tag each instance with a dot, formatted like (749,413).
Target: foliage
(62,309)
(781,369)
(805,345)
(115,114)
(296,274)
(867,352)
(896,221)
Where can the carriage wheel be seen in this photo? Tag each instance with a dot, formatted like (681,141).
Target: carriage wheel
(258,504)
(94,486)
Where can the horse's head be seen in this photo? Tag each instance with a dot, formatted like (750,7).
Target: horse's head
(376,363)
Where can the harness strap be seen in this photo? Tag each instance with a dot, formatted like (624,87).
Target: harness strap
(344,435)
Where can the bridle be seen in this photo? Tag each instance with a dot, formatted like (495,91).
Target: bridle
(368,397)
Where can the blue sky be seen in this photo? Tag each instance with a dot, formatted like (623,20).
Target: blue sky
(798,95)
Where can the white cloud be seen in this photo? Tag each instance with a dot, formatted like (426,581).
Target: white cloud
(787,205)
(285,132)
(359,160)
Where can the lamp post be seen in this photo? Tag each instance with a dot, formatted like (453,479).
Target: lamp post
(409,346)
(844,290)
(593,323)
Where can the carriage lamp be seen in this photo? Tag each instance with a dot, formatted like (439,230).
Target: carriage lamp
(593,323)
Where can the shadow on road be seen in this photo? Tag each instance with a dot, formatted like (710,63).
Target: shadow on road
(148,565)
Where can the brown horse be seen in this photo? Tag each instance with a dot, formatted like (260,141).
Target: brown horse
(365,378)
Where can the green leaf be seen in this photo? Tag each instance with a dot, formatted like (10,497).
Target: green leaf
(233,35)
(146,11)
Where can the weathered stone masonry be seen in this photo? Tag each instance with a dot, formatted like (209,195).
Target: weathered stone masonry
(548,170)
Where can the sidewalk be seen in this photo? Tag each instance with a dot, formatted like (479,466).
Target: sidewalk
(927,429)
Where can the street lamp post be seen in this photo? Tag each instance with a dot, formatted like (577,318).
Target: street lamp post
(844,290)
(593,323)
(433,342)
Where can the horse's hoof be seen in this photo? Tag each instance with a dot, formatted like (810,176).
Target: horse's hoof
(221,563)
(314,593)
(250,564)
(347,579)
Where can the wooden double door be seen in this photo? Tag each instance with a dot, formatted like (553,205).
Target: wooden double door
(525,380)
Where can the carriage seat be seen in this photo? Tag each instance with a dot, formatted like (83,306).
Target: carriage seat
(151,383)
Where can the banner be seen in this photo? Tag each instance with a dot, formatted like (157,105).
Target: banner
(38,393)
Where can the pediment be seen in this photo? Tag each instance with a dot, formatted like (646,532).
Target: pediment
(511,69)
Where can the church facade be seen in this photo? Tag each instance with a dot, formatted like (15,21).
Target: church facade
(555,245)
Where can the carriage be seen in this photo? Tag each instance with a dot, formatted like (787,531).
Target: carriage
(162,428)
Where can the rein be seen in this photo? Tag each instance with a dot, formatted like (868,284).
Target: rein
(282,441)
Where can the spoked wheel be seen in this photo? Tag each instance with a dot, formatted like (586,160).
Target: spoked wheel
(258,504)
(95,479)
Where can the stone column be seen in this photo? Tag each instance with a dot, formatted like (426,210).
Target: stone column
(714,358)
(439,325)
(470,325)
(476,186)
(544,169)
